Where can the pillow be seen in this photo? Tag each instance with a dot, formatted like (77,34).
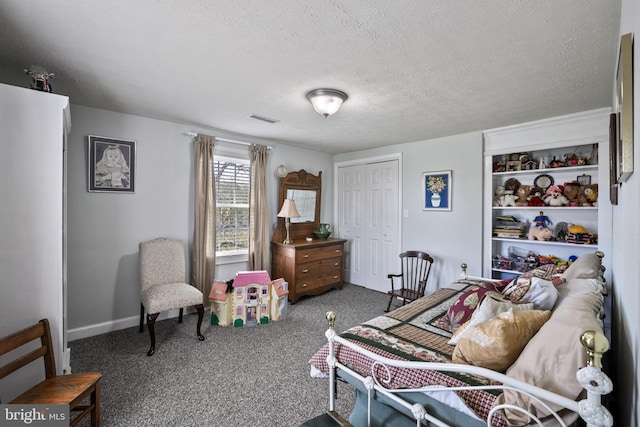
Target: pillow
(587,266)
(535,287)
(465,305)
(488,308)
(519,287)
(496,343)
(542,294)
(554,354)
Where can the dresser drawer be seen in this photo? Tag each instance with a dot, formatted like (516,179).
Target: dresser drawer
(316,267)
(314,254)
(321,280)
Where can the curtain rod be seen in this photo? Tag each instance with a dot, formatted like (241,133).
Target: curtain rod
(231,141)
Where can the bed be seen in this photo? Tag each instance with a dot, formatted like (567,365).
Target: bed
(480,352)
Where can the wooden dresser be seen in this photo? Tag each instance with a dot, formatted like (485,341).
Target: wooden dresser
(311,268)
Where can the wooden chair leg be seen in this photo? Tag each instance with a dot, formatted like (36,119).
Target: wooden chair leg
(95,401)
(200,308)
(141,318)
(389,305)
(151,322)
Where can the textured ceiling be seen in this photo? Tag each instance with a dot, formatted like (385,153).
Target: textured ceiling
(413,69)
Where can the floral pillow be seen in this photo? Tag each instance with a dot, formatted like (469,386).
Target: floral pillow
(488,308)
(519,287)
(465,305)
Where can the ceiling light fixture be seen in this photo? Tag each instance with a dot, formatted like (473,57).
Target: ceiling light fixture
(326,101)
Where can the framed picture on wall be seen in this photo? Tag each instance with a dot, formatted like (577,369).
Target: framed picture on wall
(623,106)
(112,165)
(436,188)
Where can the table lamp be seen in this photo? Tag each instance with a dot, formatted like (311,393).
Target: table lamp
(287,212)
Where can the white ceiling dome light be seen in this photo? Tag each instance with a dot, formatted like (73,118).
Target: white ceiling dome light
(326,101)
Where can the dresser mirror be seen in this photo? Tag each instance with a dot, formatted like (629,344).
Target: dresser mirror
(305,201)
(305,190)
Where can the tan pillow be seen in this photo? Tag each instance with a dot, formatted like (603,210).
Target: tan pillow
(587,266)
(497,342)
(488,308)
(554,354)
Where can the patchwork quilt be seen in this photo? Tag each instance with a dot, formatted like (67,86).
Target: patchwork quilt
(419,332)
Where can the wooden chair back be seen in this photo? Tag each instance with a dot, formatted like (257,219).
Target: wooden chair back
(411,283)
(56,389)
(416,267)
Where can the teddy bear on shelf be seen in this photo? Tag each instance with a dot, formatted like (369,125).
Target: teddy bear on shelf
(497,195)
(591,194)
(554,197)
(523,195)
(512,185)
(508,198)
(573,193)
(535,197)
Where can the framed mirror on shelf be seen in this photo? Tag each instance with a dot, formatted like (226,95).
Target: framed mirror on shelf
(305,189)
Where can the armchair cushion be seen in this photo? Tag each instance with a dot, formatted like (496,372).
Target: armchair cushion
(169,296)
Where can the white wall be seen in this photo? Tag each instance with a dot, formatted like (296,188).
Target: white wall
(626,252)
(451,237)
(104,229)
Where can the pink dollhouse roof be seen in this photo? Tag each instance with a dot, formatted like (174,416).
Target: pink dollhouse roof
(259,277)
(218,291)
(278,287)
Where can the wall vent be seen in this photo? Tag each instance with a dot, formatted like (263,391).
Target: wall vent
(263,118)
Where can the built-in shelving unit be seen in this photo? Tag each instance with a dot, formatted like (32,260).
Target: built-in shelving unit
(568,149)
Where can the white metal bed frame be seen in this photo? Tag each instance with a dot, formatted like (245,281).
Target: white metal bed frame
(595,382)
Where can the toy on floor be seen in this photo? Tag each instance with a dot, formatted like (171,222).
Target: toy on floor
(251,299)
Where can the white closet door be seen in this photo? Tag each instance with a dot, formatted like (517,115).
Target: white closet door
(389,221)
(381,243)
(369,218)
(351,220)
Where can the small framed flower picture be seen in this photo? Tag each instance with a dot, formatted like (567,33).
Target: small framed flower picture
(436,187)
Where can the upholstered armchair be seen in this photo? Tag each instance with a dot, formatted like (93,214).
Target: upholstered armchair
(162,287)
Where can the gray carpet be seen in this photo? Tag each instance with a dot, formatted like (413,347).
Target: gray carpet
(250,376)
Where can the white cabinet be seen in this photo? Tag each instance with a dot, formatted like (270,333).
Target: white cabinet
(33,128)
(572,150)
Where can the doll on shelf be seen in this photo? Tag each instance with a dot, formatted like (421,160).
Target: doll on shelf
(541,221)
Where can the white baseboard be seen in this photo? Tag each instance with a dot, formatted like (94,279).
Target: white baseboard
(115,325)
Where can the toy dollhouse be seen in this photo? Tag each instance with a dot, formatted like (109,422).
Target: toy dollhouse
(252,299)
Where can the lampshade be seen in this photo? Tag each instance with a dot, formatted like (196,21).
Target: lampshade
(288,209)
(326,101)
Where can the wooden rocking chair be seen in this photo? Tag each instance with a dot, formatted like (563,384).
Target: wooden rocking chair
(411,283)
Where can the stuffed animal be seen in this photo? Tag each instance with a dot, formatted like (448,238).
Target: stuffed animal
(591,194)
(541,221)
(573,193)
(523,195)
(508,198)
(560,231)
(535,197)
(554,197)
(497,195)
(512,184)
(540,233)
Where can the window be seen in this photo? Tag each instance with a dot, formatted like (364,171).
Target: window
(232,205)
